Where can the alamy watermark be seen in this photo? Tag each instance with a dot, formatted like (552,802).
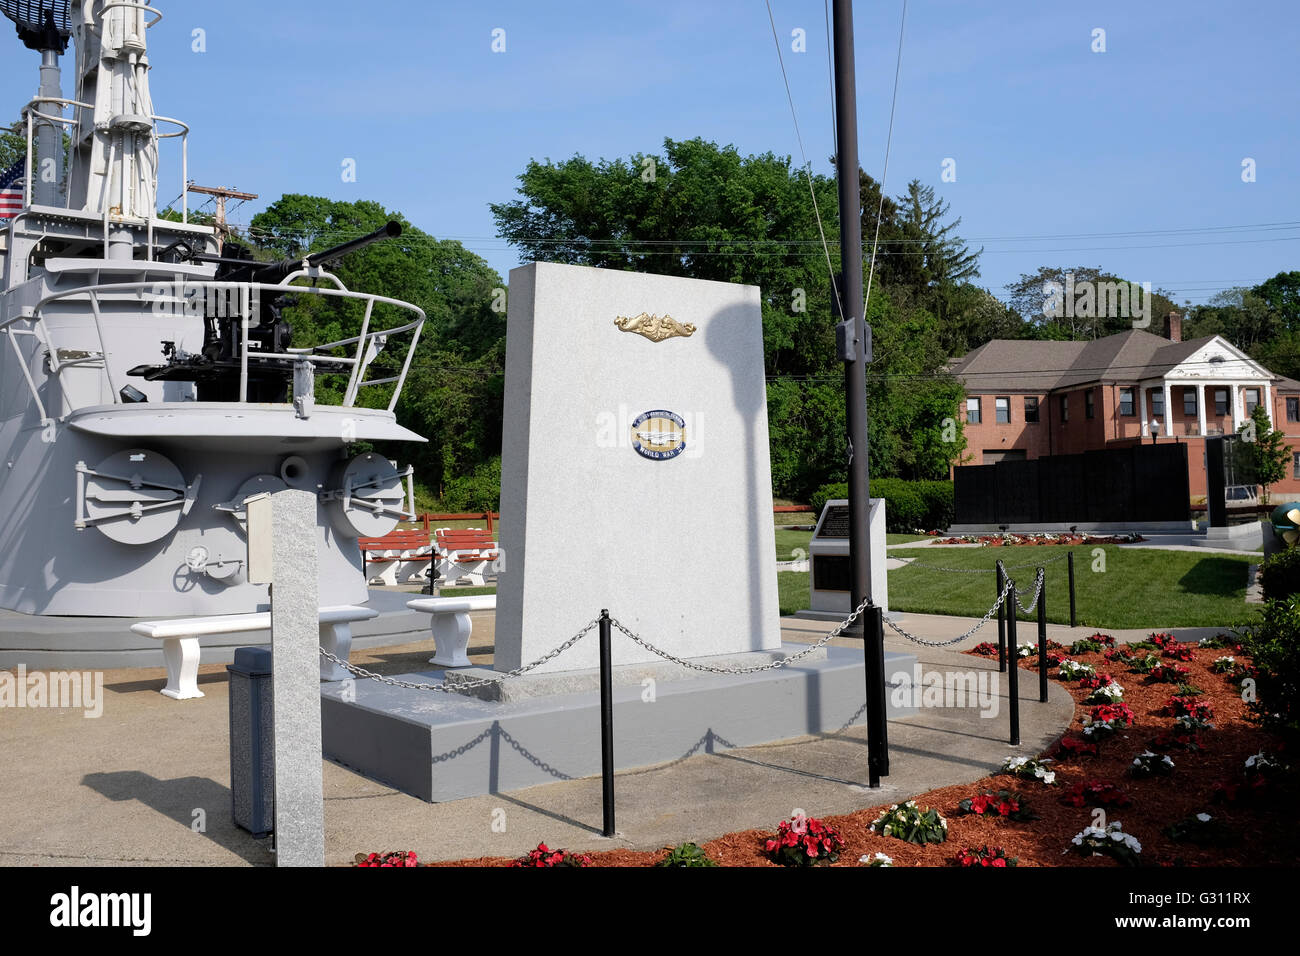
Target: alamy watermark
(977,688)
(1088,299)
(77,690)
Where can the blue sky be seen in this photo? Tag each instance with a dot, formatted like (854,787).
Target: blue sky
(1050,139)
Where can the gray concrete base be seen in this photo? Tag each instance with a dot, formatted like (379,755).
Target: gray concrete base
(105,642)
(529,686)
(441,747)
(808,614)
(1240,537)
(1088,527)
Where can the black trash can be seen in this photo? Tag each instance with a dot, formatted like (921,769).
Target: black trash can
(252,751)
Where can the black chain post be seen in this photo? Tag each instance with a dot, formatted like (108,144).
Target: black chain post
(873,650)
(1002,619)
(1070,562)
(1013,668)
(1042,635)
(606,724)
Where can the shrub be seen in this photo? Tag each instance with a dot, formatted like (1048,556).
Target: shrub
(544,856)
(909,505)
(1279,575)
(1274,646)
(804,841)
(687,854)
(480,490)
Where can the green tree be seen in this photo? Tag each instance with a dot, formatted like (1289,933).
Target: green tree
(453,393)
(707,212)
(1031,298)
(1265,449)
(1282,294)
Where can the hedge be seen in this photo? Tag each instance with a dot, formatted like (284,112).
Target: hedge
(909,505)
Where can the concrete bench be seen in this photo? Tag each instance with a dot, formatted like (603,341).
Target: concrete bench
(180,637)
(451,625)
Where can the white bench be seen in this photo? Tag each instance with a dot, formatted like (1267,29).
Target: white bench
(180,637)
(451,625)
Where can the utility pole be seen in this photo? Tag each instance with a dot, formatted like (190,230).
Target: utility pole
(853,338)
(852,334)
(222,193)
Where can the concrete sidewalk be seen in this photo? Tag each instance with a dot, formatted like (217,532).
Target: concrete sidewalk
(147,783)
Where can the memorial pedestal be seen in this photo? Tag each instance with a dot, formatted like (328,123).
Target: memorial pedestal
(831,580)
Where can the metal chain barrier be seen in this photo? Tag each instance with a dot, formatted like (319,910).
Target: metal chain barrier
(1006,590)
(466,685)
(1038,590)
(839,629)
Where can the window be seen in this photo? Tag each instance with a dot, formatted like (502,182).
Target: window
(1189,401)
(972,411)
(1295,464)
(1293,409)
(1002,410)
(1158,403)
(1220,401)
(1065,408)
(1252,399)
(1126,401)
(1088,409)
(1031,409)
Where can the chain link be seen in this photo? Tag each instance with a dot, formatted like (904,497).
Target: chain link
(1038,590)
(465,685)
(708,668)
(1006,589)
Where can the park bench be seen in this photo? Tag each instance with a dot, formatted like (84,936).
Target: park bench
(465,553)
(451,625)
(180,637)
(396,557)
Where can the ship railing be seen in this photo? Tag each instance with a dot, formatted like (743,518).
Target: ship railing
(32,113)
(369,342)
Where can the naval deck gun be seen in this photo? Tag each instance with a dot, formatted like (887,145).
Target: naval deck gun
(247,343)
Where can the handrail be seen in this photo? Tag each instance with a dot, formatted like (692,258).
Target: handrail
(248,291)
(183,132)
(143,7)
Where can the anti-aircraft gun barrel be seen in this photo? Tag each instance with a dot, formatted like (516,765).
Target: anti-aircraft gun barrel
(278,271)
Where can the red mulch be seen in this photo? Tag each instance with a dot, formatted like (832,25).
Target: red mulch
(1068,540)
(1263,823)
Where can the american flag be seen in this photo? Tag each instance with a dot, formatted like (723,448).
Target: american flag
(11,190)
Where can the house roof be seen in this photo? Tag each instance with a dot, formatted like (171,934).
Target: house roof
(1015,365)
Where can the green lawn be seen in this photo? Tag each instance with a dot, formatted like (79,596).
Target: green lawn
(787,541)
(1138,588)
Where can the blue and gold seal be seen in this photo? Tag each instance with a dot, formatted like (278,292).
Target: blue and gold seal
(659,434)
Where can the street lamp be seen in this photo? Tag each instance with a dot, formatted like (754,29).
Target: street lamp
(1155,429)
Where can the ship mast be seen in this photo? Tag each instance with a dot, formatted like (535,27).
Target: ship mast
(115,147)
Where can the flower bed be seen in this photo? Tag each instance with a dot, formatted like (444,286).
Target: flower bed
(1069,540)
(1254,801)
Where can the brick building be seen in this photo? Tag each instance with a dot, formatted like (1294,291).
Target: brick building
(1027,399)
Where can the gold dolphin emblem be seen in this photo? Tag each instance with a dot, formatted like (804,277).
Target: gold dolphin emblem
(654,327)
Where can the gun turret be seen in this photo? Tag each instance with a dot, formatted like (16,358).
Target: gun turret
(217,368)
(276,272)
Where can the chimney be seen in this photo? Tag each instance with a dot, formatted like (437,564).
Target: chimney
(1174,327)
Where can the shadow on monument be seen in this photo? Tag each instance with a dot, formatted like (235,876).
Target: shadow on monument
(178,799)
(726,332)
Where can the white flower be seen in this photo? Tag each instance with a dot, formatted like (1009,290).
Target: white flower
(1049,778)
(1203,817)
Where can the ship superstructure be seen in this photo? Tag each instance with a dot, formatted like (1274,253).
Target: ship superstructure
(149,380)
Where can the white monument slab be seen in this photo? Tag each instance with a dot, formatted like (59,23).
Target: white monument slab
(635,468)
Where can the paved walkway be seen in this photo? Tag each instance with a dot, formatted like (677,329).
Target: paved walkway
(148,781)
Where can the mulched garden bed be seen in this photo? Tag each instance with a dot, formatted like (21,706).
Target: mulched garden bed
(1257,820)
(1070,540)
